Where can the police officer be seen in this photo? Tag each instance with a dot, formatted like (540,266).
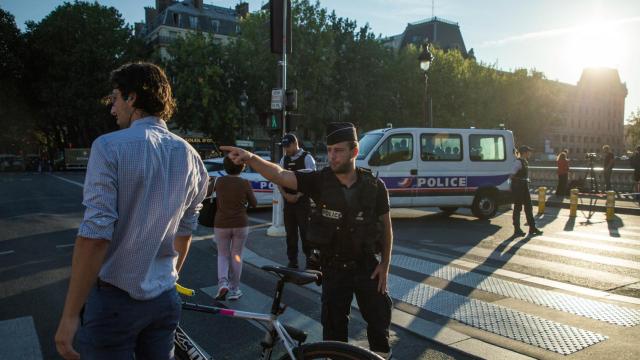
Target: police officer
(296,204)
(520,191)
(351,226)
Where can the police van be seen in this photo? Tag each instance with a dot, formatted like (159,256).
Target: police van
(437,167)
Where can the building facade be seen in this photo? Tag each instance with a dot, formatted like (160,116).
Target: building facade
(170,19)
(594,115)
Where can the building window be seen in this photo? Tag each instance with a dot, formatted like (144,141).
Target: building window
(176,19)
(441,147)
(564,138)
(215,25)
(486,148)
(193,22)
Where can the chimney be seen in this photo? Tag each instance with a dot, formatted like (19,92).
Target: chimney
(150,15)
(162,4)
(242,9)
(138,28)
(198,4)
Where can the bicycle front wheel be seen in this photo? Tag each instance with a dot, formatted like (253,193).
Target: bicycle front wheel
(334,350)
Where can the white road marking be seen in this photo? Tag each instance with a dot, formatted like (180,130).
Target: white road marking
(64,245)
(7,252)
(69,181)
(602,237)
(588,245)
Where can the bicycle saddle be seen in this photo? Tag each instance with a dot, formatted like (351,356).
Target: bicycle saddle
(297,277)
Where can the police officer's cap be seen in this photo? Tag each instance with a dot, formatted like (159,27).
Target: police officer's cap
(524,148)
(340,131)
(288,139)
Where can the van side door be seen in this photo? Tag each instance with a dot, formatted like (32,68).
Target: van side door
(441,177)
(394,161)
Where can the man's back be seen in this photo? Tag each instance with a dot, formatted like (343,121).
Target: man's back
(142,188)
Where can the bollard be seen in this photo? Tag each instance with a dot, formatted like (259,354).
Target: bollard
(542,199)
(573,203)
(611,204)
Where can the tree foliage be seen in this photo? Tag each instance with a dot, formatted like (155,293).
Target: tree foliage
(72,51)
(632,132)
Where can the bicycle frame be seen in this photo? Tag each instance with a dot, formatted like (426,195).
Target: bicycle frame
(273,325)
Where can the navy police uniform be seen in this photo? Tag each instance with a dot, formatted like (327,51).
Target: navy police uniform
(296,215)
(522,197)
(345,227)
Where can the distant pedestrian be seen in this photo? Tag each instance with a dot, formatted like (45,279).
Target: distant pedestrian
(520,191)
(607,166)
(231,227)
(635,165)
(296,205)
(563,174)
(142,193)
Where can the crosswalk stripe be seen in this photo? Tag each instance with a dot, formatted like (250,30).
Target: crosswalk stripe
(576,271)
(19,339)
(606,260)
(597,310)
(615,232)
(603,237)
(586,244)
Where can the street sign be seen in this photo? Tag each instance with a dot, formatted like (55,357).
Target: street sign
(277,98)
(244,143)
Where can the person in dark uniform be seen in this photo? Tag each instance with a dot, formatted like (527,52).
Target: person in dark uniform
(296,204)
(520,191)
(351,227)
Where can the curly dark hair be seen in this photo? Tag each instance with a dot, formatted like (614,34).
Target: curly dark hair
(150,84)
(230,167)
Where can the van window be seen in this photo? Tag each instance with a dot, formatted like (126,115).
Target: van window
(366,143)
(441,147)
(486,148)
(396,148)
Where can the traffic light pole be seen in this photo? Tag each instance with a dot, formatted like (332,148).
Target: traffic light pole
(277,215)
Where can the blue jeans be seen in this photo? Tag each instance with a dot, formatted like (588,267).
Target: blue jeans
(116,326)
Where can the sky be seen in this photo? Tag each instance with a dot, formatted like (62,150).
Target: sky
(558,38)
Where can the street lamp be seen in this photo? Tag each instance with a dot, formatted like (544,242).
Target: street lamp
(425,59)
(244,100)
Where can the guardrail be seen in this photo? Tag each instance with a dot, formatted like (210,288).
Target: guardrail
(621,179)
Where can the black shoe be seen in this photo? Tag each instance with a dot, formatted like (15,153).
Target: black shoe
(535,232)
(518,232)
(292,265)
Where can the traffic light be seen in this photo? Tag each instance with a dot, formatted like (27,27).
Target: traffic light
(273,121)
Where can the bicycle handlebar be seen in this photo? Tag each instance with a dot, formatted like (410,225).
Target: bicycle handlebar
(185,291)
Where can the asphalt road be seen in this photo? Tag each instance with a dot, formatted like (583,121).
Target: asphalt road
(575,259)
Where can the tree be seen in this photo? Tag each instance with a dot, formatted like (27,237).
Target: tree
(632,131)
(72,51)
(204,91)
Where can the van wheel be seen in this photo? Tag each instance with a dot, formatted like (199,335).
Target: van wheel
(448,210)
(484,205)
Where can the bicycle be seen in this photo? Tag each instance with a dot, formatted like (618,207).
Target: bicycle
(275,331)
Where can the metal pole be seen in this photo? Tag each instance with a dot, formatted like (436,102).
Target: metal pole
(277,216)
(426,100)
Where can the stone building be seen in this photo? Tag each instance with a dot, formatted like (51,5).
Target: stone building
(170,19)
(443,33)
(594,115)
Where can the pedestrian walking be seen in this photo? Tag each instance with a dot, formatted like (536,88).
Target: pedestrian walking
(296,204)
(231,227)
(608,161)
(563,174)
(521,195)
(142,192)
(351,227)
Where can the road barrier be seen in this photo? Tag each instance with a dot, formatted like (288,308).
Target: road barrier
(542,199)
(573,203)
(611,204)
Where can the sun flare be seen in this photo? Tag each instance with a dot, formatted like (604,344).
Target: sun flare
(596,44)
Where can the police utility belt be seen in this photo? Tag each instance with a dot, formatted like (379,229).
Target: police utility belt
(521,179)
